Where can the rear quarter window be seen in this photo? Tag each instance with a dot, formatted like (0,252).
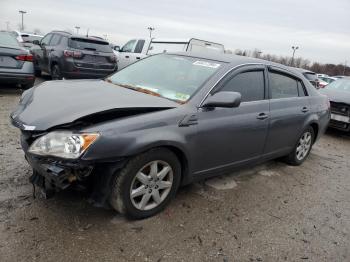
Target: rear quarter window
(90,44)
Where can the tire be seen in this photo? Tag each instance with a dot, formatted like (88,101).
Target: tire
(37,72)
(56,72)
(27,85)
(301,151)
(127,181)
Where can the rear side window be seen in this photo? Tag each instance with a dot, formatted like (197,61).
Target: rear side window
(249,84)
(282,86)
(139,46)
(90,44)
(55,40)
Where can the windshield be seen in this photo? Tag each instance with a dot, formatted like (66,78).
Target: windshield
(169,76)
(90,44)
(340,85)
(7,40)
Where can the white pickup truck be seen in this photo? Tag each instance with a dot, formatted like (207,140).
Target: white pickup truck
(137,49)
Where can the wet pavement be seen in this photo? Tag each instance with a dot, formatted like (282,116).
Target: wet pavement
(271,212)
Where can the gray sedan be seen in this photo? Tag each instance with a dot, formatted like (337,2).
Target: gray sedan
(133,138)
(16,63)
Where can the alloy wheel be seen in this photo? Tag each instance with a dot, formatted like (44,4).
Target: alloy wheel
(304,146)
(151,185)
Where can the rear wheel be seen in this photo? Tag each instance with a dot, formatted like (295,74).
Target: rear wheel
(302,148)
(56,72)
(146,184)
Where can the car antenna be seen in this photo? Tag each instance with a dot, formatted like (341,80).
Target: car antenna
(87,33)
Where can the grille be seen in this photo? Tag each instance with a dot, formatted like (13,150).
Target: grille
(340,108)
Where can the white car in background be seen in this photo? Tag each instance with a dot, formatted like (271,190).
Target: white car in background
(137,49)
(26,39)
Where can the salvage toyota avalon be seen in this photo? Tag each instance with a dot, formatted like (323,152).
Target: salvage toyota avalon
(133,138)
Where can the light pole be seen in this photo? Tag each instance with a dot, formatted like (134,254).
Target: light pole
(294,49)
(77,27)
(22,13)
(150,28)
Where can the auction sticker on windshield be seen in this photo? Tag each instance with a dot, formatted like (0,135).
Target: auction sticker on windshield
(206,64)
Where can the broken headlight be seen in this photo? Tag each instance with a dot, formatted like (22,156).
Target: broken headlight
(63,144)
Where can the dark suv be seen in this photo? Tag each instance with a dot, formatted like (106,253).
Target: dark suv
(63,55)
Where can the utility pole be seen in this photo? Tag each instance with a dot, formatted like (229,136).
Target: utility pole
(294,49)
(22,13)
(77,27)
(150,28)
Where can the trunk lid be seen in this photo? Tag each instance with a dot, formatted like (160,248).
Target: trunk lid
(8,57)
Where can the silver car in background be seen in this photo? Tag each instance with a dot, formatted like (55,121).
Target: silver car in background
(16,63)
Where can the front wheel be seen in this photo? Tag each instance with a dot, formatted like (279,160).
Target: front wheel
(302,148)
(146,184)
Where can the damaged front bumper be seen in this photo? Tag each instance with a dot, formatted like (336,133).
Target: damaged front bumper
(55,175)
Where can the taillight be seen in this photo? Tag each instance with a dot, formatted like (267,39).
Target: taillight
(28,58)
(75,54)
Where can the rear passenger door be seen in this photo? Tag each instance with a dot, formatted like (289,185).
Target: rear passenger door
(289,109)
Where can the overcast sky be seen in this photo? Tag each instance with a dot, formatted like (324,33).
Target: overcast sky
(321,28)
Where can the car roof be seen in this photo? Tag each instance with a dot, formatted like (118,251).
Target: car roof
(235,60)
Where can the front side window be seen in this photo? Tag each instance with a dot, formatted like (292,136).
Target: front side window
(282,86)
(46,39)
(55,40)
(249,84)
(129,46)
(170,76)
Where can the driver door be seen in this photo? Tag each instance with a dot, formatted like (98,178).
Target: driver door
(42,55)
(231,136)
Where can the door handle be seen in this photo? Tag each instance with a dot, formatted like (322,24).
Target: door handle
(262,116)
(126,56)
(138,57)
(304,109)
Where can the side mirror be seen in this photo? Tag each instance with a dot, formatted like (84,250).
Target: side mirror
(223,99)
(117,48)
(36,42)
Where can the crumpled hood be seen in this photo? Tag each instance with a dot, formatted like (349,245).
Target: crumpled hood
(336,96)
(56,103)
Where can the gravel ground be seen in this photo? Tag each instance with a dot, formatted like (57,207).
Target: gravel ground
(272,212)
